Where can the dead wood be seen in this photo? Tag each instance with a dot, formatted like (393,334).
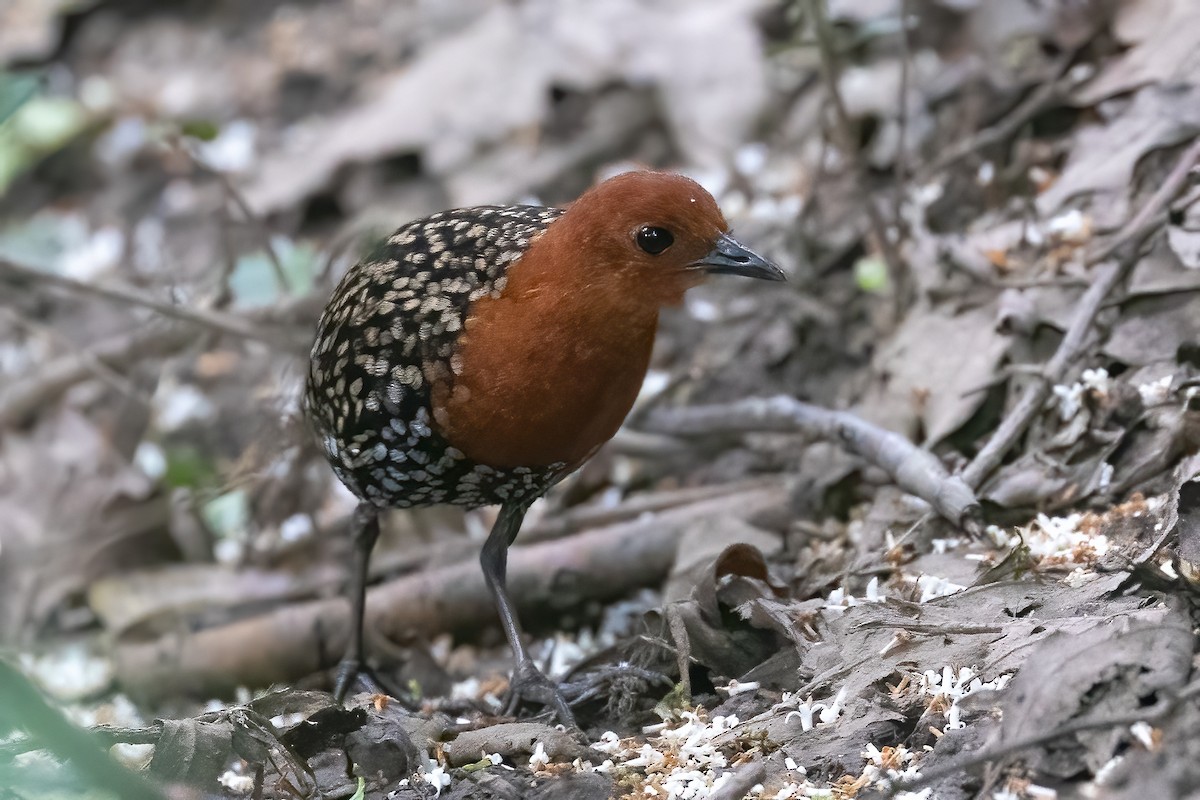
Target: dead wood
(222,322)
(515,740)
(118,353)
(22,397)
(914,470)
(289,642)
(741,782)
(1126,246)
(171,594)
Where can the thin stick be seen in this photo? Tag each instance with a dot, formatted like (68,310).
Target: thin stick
(879,227)
(85,358)
(225,323)
(184,146)
(913,469)
(741,781)
(1039,99)
(901,166)
(1128,241)
(264,235)
(22,397)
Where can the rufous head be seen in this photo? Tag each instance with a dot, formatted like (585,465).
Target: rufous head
(663,230)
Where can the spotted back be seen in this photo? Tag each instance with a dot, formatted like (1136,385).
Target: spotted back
(388,333)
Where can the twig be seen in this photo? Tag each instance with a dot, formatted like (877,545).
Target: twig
(296,640)
(938,629)
(20,398)
(215,320)
(185,147)
(879,227)
(1126,244)
(264,235)
(1037,100)
(741,781)
(85,358)
(913,469)
(1158,711)
(639,444)
(901,167)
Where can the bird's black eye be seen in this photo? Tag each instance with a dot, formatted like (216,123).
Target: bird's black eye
(654,240)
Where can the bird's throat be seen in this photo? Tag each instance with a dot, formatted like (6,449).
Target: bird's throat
(545,373)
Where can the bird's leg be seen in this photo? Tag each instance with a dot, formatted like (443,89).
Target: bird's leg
(528,682)
(364,532)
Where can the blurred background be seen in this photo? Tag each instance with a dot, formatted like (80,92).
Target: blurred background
(181,185)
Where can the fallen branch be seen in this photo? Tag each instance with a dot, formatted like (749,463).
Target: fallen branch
(21,397)
(913,469)
(232,324)
(51,380)
(1039,99)
(1126,246)
(297,640)
(845,129)
(741,781)
(210,588)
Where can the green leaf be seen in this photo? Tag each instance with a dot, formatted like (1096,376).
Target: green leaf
(187,468)
(254,281)
(36,128)
(46,124)
(361,792)
(871,274)
(203,129)
(16,88)
(227,515)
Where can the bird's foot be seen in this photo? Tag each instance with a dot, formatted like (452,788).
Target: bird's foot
(620,685)
(530,684)
(355,674)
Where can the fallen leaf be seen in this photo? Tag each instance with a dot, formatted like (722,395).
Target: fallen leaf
(1103,156)
(1164,48)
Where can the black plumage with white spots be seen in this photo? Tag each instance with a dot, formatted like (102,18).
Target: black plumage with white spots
(386,336)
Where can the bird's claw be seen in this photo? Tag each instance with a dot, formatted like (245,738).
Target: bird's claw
(618,682)
(530,684)
(351,672)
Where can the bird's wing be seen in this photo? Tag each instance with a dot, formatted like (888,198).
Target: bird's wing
(394,318)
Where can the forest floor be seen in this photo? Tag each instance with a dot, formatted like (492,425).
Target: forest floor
(988,216)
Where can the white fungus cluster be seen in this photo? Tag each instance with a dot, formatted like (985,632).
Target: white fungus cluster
(947,688)
(1055,541)
(1070,397)
(840,599)
(809,712)
(682,760)
(930,587)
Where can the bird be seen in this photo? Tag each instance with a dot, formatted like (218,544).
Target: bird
(480,355)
